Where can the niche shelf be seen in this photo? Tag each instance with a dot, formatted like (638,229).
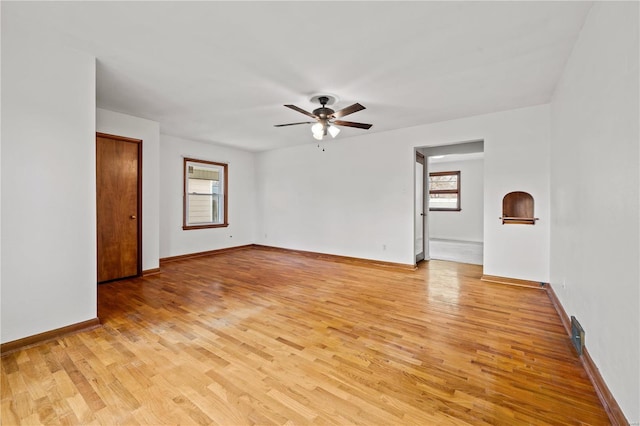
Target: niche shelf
(517,208)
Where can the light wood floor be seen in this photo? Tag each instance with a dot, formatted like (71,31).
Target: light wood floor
(265,337)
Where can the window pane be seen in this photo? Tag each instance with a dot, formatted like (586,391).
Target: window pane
(200,186)
(445,182)
(204,199)
(443,201)
(200,209)
(203,171)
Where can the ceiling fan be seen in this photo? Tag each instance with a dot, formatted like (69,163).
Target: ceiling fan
(326,117)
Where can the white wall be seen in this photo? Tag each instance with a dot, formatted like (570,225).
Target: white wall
(467,224)
(175,241)
(594,176)
(48,184)
(149,131)
(353,199)
(518,161)
(356,198)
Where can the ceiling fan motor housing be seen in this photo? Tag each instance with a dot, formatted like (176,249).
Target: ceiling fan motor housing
(323,112)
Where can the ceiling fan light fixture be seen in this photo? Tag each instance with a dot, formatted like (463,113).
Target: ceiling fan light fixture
(333,131)
(317,128)
(318,131)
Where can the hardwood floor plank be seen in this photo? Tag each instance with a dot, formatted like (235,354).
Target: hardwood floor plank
(259,336)
(81,410)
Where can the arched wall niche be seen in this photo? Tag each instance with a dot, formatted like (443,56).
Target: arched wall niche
(518,208)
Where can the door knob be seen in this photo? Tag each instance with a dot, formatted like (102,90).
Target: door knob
(132,216)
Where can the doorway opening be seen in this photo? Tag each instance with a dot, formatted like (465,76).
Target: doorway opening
(453,202)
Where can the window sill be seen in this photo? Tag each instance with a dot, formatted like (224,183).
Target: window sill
(217,225)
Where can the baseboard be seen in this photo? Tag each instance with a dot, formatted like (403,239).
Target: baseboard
(616,416)
(148,272)
(470,252)
(203,253)
(9,347)
(512,281)
(447,240)
(564,318)
(343,259)
(324,256)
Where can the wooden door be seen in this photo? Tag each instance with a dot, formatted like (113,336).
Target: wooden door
(118,188)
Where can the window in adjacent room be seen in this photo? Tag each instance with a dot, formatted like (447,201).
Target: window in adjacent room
(205,194)
(444,191)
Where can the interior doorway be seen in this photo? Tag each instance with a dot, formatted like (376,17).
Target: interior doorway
(118,207)
(453,225)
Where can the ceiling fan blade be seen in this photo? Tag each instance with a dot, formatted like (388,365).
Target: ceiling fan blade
(293,124)
(352,124)
(348,110)
(295,108)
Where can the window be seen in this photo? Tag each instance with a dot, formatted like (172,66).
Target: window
(444,191)
(205,194)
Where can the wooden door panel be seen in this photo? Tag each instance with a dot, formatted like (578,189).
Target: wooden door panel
(117,183)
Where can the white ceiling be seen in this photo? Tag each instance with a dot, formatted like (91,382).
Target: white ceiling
(221,71)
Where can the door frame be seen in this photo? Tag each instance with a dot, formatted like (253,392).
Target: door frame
(139,195)
(425,242)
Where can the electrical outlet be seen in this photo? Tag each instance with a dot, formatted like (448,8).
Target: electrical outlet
(384,247)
